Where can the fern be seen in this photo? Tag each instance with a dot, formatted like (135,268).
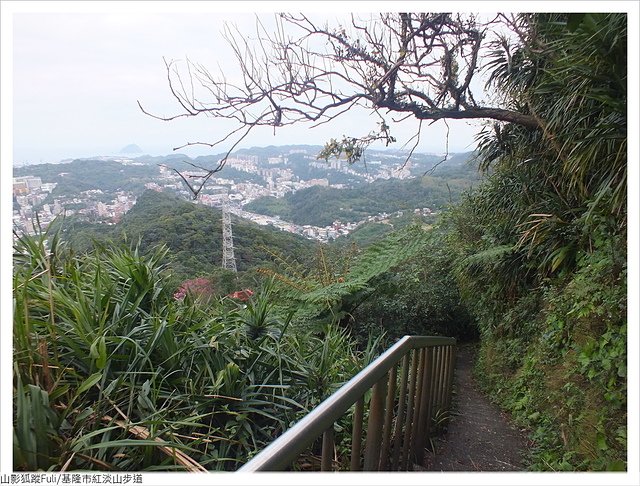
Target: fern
(338,283)
(490,256)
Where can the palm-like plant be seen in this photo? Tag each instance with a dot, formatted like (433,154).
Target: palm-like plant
(113,373)
(569,72)
(550,217)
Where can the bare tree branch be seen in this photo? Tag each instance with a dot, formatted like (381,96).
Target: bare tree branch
(419,64)
(444,159)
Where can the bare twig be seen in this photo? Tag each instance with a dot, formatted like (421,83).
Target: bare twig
(419,65)
(446,156)
(415,145)
(143,433)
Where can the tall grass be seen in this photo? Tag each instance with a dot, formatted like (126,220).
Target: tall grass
(112,373)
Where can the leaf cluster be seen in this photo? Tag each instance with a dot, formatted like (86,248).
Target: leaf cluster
(113,373)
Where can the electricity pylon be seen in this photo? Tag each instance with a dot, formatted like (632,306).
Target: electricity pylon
(228,258)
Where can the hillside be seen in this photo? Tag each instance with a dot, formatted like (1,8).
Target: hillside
(321,206)
(193,234)
(141,354)
(85,175)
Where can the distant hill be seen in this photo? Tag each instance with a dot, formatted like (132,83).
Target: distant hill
(321,206)
(87,174)
(193,234)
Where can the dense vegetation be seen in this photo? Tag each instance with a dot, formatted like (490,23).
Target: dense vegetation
(321,206)
(420,297)
(541,245)
(532,261)
(116,371)
(85,175)
(193,235)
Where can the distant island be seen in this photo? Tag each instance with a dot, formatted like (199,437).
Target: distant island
(131,149)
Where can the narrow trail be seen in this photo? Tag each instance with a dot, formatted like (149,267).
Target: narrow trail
(480,436)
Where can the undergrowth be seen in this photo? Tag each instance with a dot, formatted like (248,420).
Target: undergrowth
(567,382)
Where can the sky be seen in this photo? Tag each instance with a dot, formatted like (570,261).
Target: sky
(77,77)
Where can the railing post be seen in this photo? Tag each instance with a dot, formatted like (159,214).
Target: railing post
(445,376)
(356,437)
(452,367)
(431,391)
(374,426)
(417,405)
(402,397)
(328,447)
(437,382)
(442,373)
(388,420)
(424,405)
(407,425)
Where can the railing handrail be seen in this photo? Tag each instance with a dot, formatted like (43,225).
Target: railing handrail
(286,448)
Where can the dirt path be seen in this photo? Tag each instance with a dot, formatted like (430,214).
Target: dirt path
(480,436)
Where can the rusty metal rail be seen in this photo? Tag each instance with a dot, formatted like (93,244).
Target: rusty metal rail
(400,417)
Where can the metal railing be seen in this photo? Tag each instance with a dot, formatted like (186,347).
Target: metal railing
(410,387)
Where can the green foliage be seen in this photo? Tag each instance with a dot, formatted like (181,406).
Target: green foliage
(193,236)
(321,206)
(352,149)
(370,232)
(401,284)
(566,380)
(540,245)
(418,297)
(111,372)
(34,430)
(331,288)
(367,234)
(85,174)
(574,82)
